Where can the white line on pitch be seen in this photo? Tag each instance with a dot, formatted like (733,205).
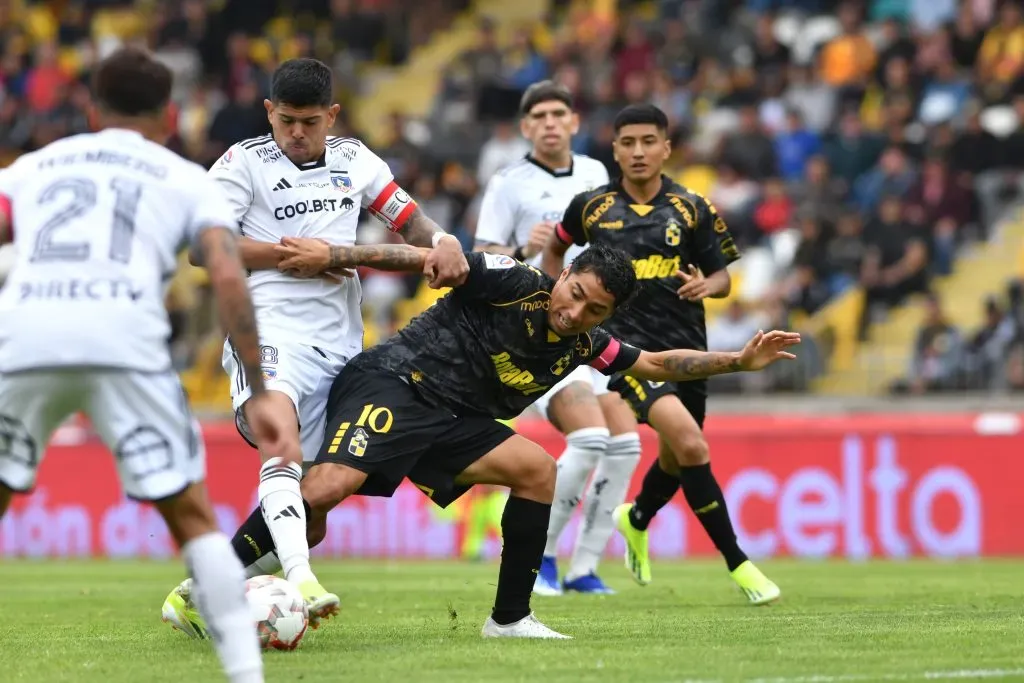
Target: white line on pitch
(846,678)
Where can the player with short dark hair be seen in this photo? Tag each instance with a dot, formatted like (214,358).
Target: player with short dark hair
(520,208)
(301,181)
(424,404)
(680,249)
(100,218)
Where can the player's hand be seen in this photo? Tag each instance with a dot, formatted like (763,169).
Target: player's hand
(539,236)
(446,265)
(695,287)
(268,426)
(764,349)
(308,258)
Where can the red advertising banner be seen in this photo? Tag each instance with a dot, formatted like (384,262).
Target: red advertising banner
(835,486)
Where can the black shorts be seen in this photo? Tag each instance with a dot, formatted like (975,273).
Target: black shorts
(380,425)
(641,394)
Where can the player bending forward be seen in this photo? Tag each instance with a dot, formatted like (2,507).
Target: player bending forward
(519,211)
(100,218)
(423,404)
(302,182)
(680,247)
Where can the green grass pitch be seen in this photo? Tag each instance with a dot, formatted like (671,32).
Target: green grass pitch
(100,621)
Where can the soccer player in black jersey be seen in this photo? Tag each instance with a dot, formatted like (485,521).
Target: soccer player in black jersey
(424,404)
(680,249)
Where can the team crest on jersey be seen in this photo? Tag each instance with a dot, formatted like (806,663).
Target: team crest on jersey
(561,364)
(227,157)
(357,444)
(341,182)
(268,374)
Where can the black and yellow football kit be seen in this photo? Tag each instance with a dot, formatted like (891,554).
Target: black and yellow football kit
(423,404)
(675,229)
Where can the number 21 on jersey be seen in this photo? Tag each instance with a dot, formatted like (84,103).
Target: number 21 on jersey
(76,197)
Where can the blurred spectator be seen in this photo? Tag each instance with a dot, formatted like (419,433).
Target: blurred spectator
(987,349)
(938,353)
(749,150)
(794,146)
(895,264)
(775,211)
(939,203)
(505,146)
(845,253)
(847,61)
(851,151)
(819,193)
(892,176)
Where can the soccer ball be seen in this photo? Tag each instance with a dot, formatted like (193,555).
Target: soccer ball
(280,613)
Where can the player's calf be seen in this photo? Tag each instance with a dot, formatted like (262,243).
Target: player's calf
(529,472)
(218,583)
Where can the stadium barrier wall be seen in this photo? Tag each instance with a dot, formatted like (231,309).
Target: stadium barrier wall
(855,486)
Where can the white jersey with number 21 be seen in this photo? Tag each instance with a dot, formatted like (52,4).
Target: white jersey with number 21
(98,221)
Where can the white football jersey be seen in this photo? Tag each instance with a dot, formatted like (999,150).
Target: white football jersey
(98,222)
(526,193)
(273,198)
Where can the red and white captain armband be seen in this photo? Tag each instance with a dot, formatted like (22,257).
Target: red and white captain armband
(393,207)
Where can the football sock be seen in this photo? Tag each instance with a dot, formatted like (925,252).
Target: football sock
(254,546)
(285,516)
(656,491)
(522,528)
(583,448)
(218,589)
(707,502)
(607,490)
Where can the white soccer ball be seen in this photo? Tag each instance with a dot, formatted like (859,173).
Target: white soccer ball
(280,613)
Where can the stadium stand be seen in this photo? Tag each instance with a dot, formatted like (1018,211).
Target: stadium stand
(866,155)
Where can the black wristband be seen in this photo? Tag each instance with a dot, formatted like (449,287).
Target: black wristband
(518,254)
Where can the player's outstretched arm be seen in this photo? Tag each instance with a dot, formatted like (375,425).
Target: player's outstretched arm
(218,248)
(683,365)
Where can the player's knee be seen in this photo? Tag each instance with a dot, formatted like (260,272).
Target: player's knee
(691,449)
(536,477)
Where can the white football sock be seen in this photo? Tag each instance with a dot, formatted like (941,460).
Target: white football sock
(583,448)
(285,515)
(264,565)
(607,490)
(218,591)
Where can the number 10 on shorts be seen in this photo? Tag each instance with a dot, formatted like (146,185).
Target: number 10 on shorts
(378,419)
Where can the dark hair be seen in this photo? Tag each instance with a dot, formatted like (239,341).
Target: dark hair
(544,91)
(302,83)
(638,114)
(613,268)
(130,82)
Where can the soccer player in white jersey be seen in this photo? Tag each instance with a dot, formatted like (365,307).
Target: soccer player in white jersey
(302,184)
(97,222)
(521,206)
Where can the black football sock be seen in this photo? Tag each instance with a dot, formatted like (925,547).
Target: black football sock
(707,502)
(524,530)
(253,540)
(656,491)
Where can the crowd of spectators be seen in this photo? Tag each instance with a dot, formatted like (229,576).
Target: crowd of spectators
(846,143)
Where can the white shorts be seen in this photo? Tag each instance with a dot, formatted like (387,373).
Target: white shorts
(144,419)
(584,373)
(303,373)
